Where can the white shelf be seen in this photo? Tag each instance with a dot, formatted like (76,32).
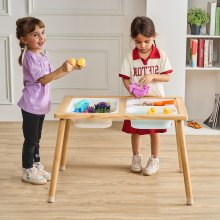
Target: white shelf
(202,36)
(201,84)
(214,68)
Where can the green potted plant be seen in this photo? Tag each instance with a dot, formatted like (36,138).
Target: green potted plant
(196,17)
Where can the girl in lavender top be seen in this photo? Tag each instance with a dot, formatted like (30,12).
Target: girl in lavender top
(35,101)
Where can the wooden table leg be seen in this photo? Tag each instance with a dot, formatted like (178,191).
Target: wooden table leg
(178,149)
(56,161)
(184,157)
(65,145)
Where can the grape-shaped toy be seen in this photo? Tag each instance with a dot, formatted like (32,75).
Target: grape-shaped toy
(138,90)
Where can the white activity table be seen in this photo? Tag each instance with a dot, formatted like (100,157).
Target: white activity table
(66,117)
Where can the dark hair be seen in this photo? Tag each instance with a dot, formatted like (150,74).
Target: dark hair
(25,26)
(142,25)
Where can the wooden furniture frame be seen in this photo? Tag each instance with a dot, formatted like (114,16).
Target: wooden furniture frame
(64,128)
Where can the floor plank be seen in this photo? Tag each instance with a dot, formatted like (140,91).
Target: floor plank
(97,183)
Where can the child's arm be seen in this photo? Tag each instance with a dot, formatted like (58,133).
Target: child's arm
(126,83)
(64,69)
(154,77)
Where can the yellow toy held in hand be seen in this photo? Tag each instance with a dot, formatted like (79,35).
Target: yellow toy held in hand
(81,62)
(73,61)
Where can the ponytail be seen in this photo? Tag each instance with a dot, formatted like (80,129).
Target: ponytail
(22,51)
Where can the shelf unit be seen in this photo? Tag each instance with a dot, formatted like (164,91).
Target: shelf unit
(196,85)
(201,84)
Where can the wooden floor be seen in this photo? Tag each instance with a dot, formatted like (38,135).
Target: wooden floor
(97,183)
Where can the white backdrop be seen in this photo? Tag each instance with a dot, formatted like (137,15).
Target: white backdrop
(97,30)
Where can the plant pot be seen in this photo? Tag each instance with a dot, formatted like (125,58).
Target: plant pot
(195,30)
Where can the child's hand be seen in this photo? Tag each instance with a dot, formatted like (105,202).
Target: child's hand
(67,66)
(146,79)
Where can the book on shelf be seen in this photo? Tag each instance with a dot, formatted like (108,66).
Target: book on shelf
(206,53)
(201,53)
(217,21)
(193,48)
(210,52)
(211,10)
(200,56)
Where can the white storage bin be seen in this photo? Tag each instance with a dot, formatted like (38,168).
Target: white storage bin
(99,123)
(93,123)
(150,124)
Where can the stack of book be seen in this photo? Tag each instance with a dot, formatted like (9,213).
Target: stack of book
(201,52)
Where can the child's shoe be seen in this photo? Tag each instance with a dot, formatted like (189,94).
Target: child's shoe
(41,171)
(32,176)
(136,166)
(152,166)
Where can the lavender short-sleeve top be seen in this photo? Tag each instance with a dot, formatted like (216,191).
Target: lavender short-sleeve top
(36,97)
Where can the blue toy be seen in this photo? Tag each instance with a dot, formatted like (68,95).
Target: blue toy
(81,106)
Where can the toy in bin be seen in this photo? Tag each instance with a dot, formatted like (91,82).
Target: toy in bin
(81,106)
(102,107)
(138,90)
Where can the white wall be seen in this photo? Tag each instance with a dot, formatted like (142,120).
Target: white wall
(94,29)
(170,22)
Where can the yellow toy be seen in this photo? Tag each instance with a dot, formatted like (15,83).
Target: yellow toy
(152,111)
(73,61)
(81,62)
(166,111)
